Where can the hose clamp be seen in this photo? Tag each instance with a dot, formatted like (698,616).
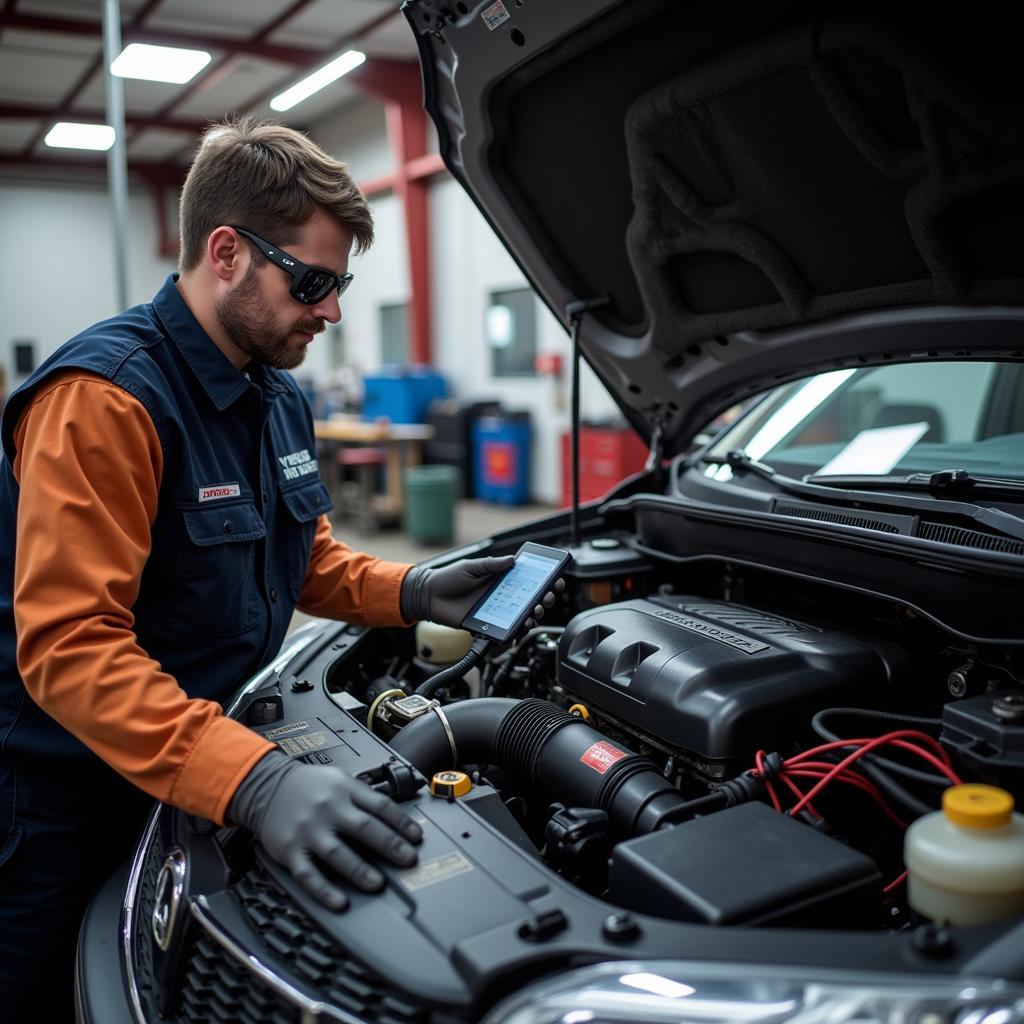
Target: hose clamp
(371,716)
(448,732)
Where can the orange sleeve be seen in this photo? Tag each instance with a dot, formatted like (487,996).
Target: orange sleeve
(345,584)
(89,465)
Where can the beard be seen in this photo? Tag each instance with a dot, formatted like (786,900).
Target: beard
(249,322)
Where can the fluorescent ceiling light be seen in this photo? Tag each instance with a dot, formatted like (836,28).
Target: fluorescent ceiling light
(68,135)
(315,82)
(159,63)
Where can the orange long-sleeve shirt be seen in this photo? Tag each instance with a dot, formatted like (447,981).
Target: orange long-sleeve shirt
(89,467)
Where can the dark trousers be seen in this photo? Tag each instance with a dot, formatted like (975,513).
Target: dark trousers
(63,830)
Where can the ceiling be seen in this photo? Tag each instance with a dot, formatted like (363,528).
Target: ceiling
(51,69)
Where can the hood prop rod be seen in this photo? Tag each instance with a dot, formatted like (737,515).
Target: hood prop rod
(575,311)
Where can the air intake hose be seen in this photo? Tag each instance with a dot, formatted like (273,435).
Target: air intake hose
(556,752)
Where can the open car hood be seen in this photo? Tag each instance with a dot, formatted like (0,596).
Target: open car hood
(758,192)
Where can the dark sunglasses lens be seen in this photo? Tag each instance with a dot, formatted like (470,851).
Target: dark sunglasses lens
(343,282)
(314,286)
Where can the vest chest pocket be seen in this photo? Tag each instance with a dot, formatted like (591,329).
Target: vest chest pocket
(305,504)
(215,593)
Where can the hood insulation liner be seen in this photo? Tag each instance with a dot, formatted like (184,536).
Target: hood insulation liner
(834,166)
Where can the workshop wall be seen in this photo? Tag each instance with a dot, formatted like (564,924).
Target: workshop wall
(60,278)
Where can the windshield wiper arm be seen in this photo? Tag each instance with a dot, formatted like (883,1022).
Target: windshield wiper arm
(957,483)
(740,462)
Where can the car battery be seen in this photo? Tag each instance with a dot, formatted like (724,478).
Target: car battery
(746,865)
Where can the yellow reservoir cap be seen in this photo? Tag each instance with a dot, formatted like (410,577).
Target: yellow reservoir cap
(580,711)
(975,805)
(450,784)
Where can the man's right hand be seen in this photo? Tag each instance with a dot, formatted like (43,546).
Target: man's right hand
(303,814)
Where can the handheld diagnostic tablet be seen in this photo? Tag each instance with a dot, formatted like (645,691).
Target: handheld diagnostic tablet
(510,600)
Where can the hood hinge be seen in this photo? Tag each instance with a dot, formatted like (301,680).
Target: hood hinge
(655,455)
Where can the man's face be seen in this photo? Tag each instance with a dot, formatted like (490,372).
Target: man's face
(259,315)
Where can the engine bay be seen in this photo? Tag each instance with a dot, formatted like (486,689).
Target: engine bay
(679,761)
(644,718)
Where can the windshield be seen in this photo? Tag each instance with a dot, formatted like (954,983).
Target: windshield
(897,418)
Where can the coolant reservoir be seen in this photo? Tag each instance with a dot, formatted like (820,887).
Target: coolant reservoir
(965,863)
(442,645)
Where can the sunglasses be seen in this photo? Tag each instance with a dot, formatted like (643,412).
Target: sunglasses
(310,285)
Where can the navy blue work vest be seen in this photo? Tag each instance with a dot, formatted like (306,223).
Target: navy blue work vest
(239,499)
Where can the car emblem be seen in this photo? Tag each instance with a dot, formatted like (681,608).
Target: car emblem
(170,884)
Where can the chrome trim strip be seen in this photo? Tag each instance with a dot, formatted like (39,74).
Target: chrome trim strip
(128,913)
(448,732)
(312,1010)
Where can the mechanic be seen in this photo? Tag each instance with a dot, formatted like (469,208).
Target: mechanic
(161,517)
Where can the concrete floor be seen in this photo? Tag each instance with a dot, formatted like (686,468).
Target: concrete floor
(473,521)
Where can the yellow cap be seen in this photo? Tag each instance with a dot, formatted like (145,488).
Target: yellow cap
(977,806)
(580,711)
(450,784)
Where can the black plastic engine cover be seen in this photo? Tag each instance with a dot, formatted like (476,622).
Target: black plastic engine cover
(716,679)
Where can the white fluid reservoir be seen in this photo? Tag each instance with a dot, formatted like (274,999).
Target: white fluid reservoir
(965,863)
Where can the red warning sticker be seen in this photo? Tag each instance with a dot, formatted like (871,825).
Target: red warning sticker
(601,756)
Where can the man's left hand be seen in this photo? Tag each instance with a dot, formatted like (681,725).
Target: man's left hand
(447,594)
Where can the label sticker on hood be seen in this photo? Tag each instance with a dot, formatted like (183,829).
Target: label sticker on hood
(495,15)
(285,730)
(601,756)
(303,744)
(430,872)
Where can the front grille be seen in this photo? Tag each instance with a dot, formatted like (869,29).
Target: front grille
(218,988)
(319,964)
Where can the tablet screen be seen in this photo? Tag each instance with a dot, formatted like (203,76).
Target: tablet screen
(517,590)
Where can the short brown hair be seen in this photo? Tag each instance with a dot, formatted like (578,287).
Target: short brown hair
(269,179)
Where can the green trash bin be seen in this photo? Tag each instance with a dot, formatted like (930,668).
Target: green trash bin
(430,493)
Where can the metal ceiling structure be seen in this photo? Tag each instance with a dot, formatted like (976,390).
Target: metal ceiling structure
(51,69)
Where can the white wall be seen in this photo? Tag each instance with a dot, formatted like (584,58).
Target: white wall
(62,278)
(357,135)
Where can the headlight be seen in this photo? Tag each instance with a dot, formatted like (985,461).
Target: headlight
(674,992)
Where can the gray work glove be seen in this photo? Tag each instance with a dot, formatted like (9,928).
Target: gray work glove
(447,594)
(302,812)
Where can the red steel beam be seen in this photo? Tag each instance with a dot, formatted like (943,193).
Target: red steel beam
(149,172)
(301,55)
(21,112)
(398,84)
(282,19)
(378,186)
(425,166)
